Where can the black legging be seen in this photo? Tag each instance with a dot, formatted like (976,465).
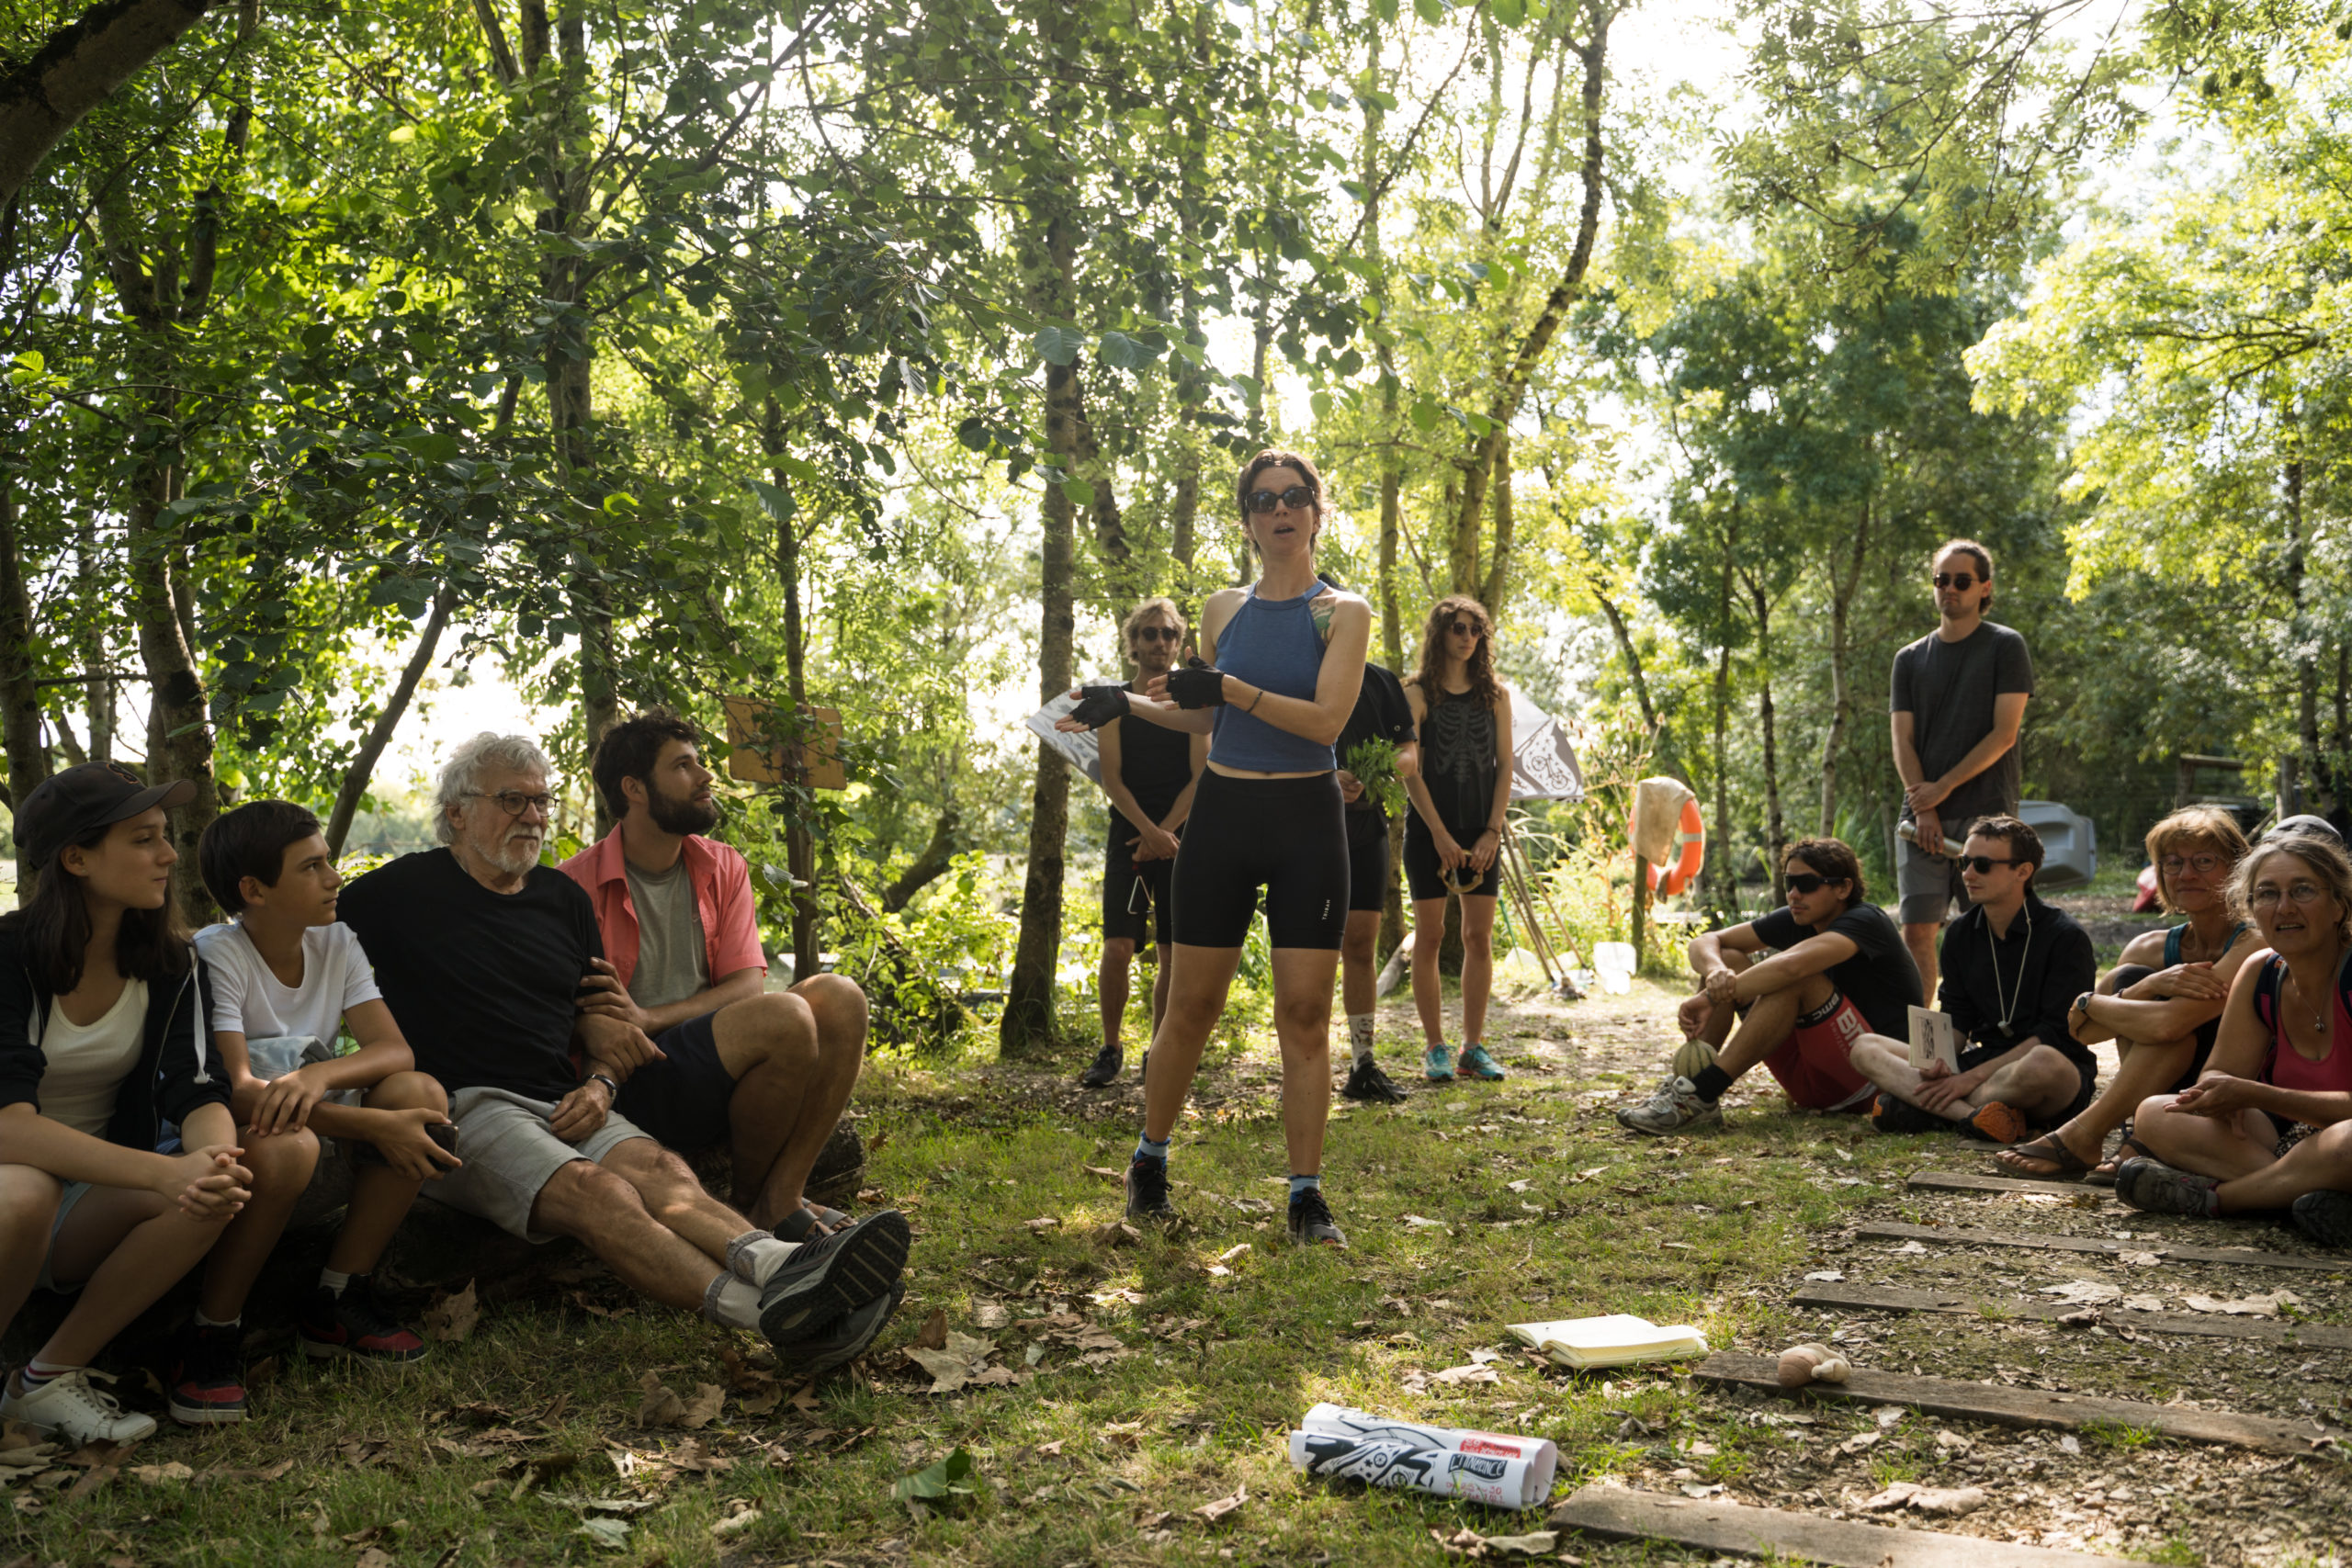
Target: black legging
(1287,836)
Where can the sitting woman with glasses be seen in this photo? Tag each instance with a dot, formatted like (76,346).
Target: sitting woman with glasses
(1282,662)
(1453,836)
(2162,1006)
(2268,1124)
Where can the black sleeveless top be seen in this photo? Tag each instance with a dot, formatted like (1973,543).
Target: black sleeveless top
(1458,758)
(1155,763)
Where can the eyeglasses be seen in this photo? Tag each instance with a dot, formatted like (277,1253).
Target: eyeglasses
(1158,634)
(1982,864)
(1297,497)
(2267,896)
(2203,866)
(1467,628)
(1963,581)
(1808,883)
(514,802)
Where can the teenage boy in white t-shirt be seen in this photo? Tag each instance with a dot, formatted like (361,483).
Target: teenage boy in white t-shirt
(285,970)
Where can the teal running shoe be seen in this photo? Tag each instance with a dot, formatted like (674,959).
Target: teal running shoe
(1437,1064)
(1478,1064)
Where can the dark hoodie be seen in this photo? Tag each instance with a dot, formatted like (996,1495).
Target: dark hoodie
(178,1068)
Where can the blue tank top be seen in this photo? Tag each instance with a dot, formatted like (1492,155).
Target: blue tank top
(1272,643)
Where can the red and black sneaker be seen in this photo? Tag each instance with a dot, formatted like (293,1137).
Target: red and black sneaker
(208,1387)
(356,1324)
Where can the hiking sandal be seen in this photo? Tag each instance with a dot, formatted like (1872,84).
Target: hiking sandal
(2049,1151)
(2103,1173)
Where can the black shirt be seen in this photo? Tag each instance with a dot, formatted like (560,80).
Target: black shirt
(2034,973)
(483,984)
(1948,689)
(1458,761)
(1880,979)
(1155,763)
(1381,713)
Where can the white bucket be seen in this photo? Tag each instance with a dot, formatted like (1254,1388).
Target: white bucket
(1615,962)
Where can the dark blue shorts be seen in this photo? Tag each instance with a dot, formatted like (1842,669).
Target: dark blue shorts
(682,1100)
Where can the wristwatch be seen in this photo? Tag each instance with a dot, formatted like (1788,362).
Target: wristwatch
(2083,1003)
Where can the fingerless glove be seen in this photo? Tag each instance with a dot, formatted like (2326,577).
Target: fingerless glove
(1099,705)
(1197,684)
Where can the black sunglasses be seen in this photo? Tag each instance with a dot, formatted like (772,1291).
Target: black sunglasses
(1963,581)
(1982,864)
(1297,498)
(1159,633)
(1467,628)
(1808,883)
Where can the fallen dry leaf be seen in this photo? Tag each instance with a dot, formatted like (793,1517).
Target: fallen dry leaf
(156,1474)
(2084,1291)
(452,1318)
(2264,1305)
(2139,1259)
(660,1407)
(1231,1253)
(1474,1372)
(1118,1232)
(735,1525)
(933,1335)
(376,1557)
(1106,1172)
(1859,1441)
(990,1314)
(1041,1225)
(703,1408)
(959,1361)
(1213,1512)
(1950,1503)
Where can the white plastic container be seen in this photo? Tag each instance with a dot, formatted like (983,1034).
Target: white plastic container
(1613,962)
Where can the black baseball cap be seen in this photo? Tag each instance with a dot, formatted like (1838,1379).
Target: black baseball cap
(79,800)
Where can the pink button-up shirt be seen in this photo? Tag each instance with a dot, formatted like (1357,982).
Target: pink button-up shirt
(722,885)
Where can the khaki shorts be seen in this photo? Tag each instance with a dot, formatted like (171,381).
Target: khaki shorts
(510,1154)
(1929,885)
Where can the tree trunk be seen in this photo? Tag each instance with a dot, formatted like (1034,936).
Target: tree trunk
(800,847)
(929,865)
(179,729)
(362,772)
(1841,696)
(20,720)
(1633,659)
(96,592)
(2305,653)
(75,70)
(1498,583)
(1776,837)
(1719,841)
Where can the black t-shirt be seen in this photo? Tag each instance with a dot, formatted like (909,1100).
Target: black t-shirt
(2032,974)
(1880,979)
(1155,763)
(483,985)
(1949,688)
(1381,713)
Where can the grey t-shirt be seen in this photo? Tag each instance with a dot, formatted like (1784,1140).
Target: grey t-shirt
(672,960)
(1947,689)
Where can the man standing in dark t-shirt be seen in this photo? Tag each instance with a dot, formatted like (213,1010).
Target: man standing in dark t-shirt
(1148,773)
(1381,713)
(1838,972)
(480,953)
(1957,704)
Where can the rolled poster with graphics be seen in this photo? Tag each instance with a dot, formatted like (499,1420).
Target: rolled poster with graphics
(1340,1420)
(1441,1472)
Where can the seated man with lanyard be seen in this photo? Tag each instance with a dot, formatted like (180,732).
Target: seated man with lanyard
(1838,970)
(766,1074)
(2012,968)
(2162,1005)
(480,953)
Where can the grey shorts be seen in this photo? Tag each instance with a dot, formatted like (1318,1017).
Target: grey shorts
(74,1192)
(1930,887)
(509,1154)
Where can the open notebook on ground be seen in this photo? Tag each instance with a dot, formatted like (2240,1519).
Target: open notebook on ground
(1609,1341)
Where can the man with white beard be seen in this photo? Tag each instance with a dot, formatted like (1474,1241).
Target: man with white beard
(481,953)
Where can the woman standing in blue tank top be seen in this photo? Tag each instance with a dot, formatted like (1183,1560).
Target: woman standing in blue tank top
(1281,663)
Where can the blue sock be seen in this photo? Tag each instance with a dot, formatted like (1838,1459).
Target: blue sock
(1146,1149)
(1299,1184)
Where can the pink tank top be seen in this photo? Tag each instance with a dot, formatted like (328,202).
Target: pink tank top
(2289,1068)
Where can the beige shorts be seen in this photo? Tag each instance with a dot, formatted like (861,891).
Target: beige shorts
(510,1154)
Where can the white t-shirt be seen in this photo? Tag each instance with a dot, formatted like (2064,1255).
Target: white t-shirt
(86,1063)
(248,1000)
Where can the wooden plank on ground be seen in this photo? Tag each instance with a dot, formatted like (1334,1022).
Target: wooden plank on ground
(1621,1513)
(1881,1298)
(1960,1235)
(1969,1181)
(2030,1407)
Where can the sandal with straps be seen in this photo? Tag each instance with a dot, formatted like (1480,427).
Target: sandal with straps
(2050,1151)
(2103,1173)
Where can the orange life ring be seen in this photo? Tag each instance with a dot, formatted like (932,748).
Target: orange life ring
(1690,836)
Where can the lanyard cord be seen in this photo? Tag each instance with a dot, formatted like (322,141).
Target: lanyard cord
(1994,952)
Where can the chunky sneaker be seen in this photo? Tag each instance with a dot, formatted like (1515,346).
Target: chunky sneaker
(842,1340)
(1693,1057)
(1311,1223)
(1106,1070)
(1366,1082)
(2326,1217)
(833,1275)
(1478,1064)
(356,1324)
(68,1405)
(1437,1064)
(1891,1114)
(1148,1190)
(208,1387)
(1999,1123)
(1675,1108)
(2152,1185)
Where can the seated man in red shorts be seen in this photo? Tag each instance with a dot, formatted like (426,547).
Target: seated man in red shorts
(1837,970)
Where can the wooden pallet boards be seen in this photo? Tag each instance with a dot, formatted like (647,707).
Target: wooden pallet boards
(1969,1181)
(2031,1408)
(1879,1298)
(1620,1512)
(2243,1257)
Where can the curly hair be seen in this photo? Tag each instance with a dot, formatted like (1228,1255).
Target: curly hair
(465,765)
(1833,860)
(1162,605)
(1429,676)
(2327,860)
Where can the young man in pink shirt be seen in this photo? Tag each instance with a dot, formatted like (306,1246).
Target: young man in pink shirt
(766,1073)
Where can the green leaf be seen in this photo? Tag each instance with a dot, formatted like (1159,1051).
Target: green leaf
(1431,11)
(937,1482)
(1425,413)
(1060,345)
(1124,352)
(1385,9)
(1081,493)
(1510,13)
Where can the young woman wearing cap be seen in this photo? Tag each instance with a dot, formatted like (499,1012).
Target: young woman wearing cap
(1453,838)
(103,1040)
(1280,664)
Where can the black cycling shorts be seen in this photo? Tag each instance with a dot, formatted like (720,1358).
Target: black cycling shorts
(1425,875)
(1286,836)
(1367,859)
(1136,904)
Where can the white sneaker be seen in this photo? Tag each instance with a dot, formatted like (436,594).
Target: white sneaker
(68,1405)
(1675,1108)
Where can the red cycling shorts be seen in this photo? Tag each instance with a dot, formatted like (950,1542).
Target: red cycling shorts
(1815,1064)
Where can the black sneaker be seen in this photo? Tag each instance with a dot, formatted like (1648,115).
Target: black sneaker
(835,1275)
(1148,1190)
(1366,1082)
(1106,1070)
(207,1384)
(356,1324)
(2326,1218)
(842,1340)
(1311,1223)
(1891,1114)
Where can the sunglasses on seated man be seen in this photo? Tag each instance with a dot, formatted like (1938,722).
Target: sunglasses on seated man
(1807,883)
(1297,498)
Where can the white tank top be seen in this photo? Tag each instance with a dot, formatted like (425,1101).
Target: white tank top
(86,1062)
